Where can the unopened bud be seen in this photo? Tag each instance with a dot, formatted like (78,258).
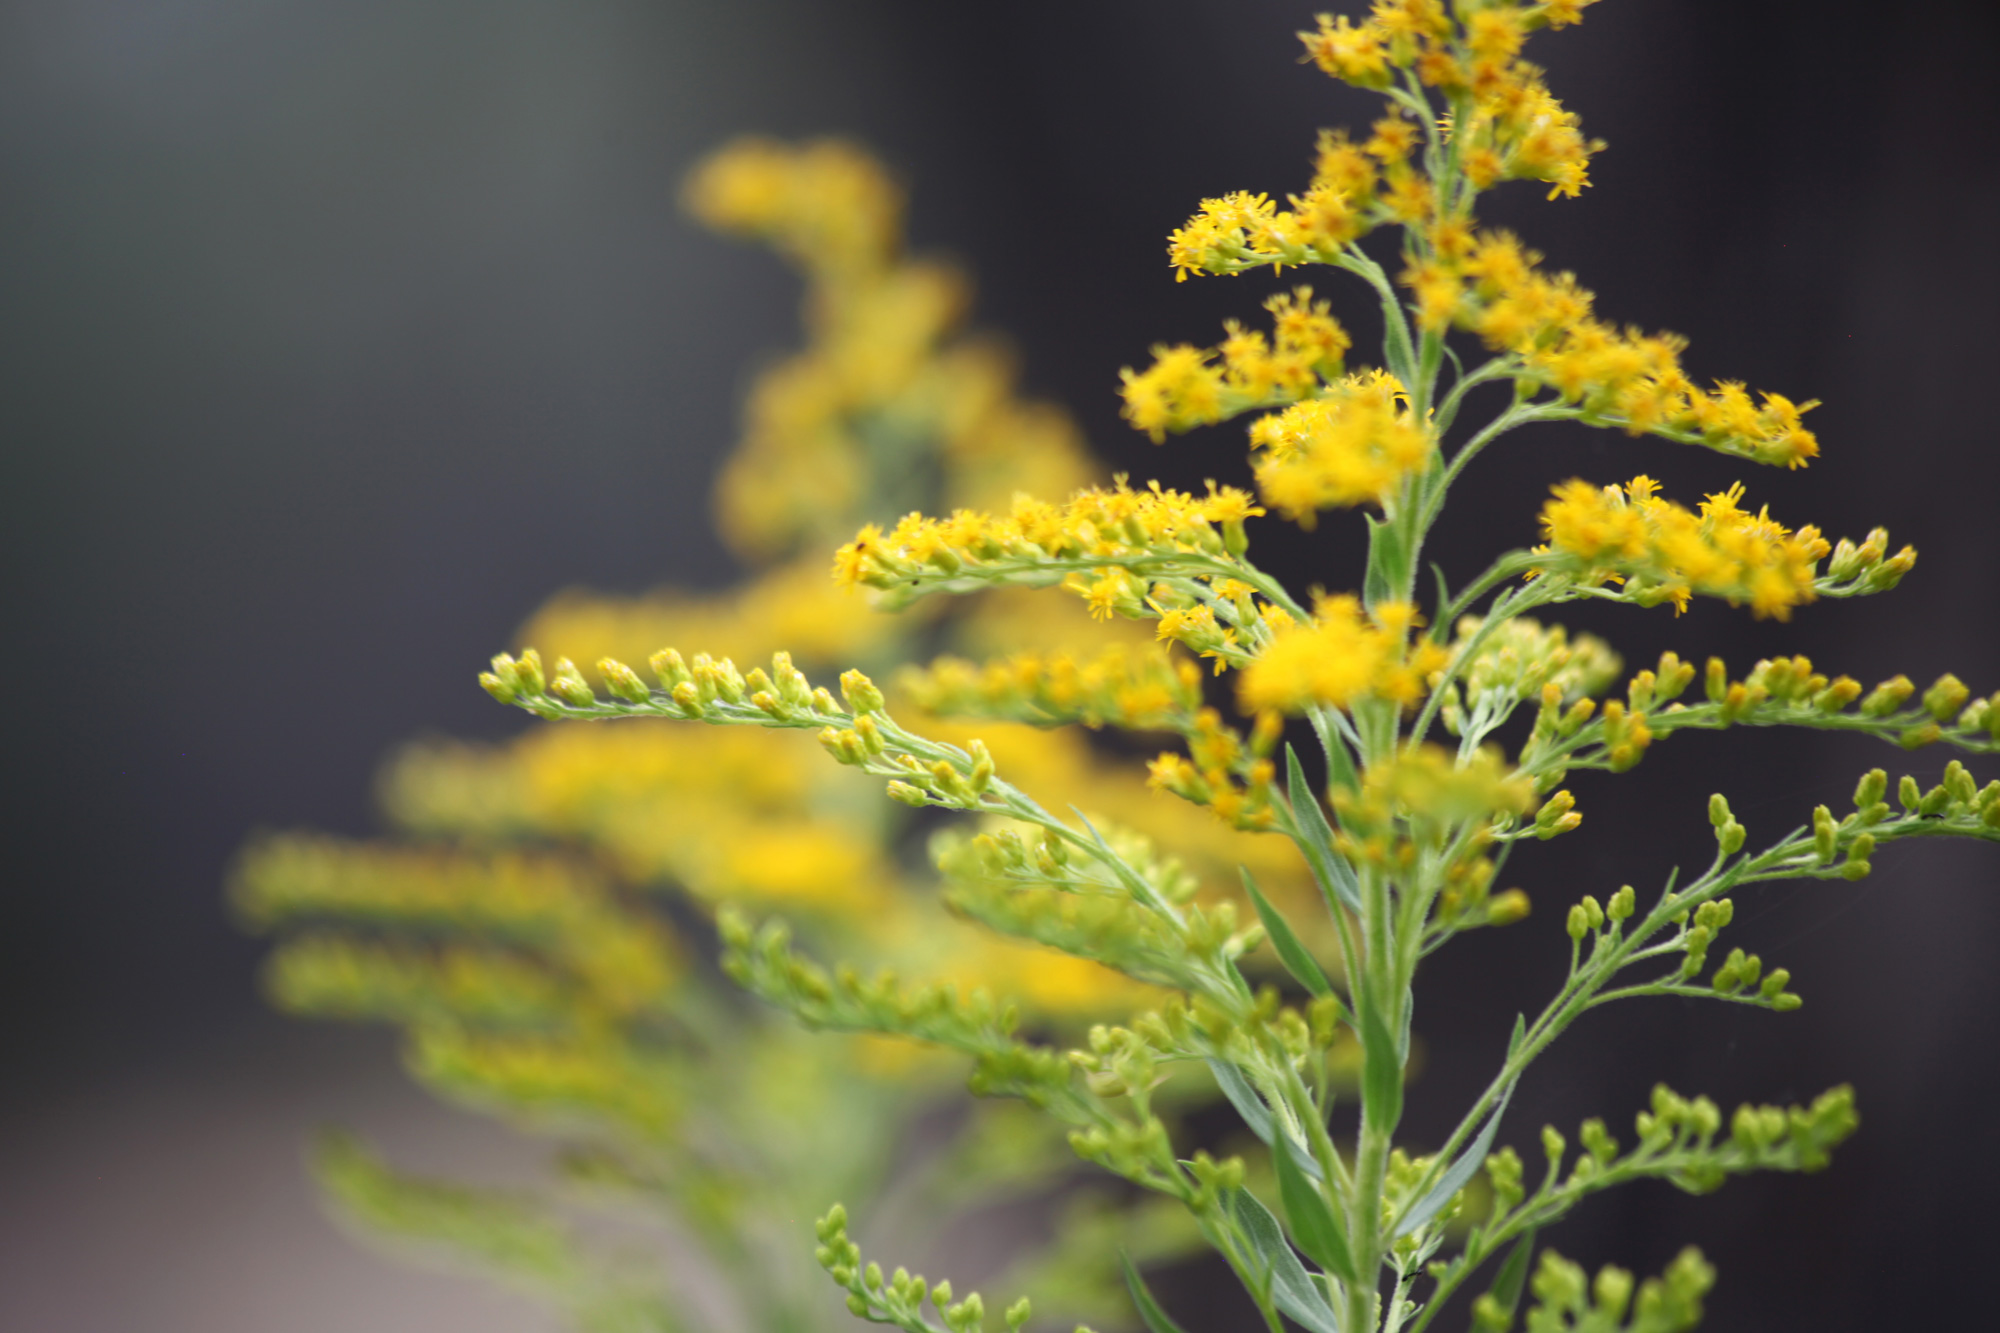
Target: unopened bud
(623,681)
(908,795)
(667,665)
(1823,833)
(569,685)
(861,693)
(1943,699)
(528,673)
(1887,697)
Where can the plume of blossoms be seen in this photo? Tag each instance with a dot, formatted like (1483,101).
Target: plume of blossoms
(1405,837)
(1662,551)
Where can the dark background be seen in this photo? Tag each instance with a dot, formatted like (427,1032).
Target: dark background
(339,336)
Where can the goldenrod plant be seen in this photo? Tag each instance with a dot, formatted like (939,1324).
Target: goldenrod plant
(541,929)
(1445,719)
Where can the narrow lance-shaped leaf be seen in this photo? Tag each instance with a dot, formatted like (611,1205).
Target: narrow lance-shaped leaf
(1329,866)
(1304,969)
(1315,1225)
(1388,563)
(1510,1281)
(1461,1171)
(1292,1288)
(1381,1071)
(1403,1026)
(1156,1319)
(1244,1097)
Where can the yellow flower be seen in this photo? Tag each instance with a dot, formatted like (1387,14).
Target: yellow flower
(1665,552)
(1353,446)
(1340,657)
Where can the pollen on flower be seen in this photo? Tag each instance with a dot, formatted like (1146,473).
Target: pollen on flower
(1131,689)
(1353,446)
(1184,387)
(1665,552)
(1338,658)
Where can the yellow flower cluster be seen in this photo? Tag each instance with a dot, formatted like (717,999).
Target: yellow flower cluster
(1664,552)
(1341,656)
(1513,129)
(824,205)
(1138,691)
(1490,285)
(1222,770)
(725,814)
(1354,445)
(1115,527)
(1505,126)
(885,362)
(468,950)
(1182,389)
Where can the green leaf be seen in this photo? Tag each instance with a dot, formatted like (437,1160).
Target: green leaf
(1339,760)
(1512,1278)
(1381,1072)
(1388,563)
(1314,1223)
(1444,595)
(1329,867)
(1291,953)
(1156,1319)
(1243,1095)
(1461,1171)
(1292,1288)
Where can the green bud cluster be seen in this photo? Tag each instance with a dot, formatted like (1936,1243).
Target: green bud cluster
(1558,815)
(1729,834)
(1568,1302)
(1854,570)
(898,1298)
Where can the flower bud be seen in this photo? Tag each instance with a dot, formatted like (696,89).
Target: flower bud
(1557,815)
(1578,924)
(568,684)
(861,693)
(1887,697)
(908,795)
(1621,905)
(1943,699)
(623,681)
(1717,680)
(1870,789)
(1511,905)
(528,673)
(1823,834)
